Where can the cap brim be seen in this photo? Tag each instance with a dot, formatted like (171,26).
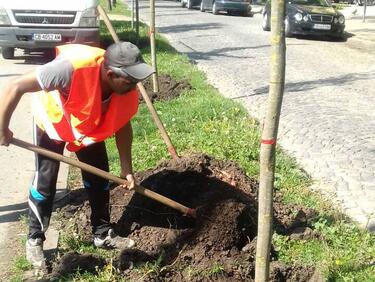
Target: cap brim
(139,71)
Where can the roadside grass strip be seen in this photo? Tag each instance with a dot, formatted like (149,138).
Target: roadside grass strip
(201,120)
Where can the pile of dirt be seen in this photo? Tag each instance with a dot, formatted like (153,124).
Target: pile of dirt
(218,245)
(169,88)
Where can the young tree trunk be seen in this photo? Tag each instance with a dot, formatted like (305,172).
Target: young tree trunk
(153,46)
(109,5)
(268,142)
(132,14)
(364,11)
(137,19)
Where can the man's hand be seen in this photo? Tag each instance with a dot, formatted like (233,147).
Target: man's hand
(131,181)
(5,137)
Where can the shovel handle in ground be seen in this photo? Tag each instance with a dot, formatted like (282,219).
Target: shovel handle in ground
(143,91)
(91,169)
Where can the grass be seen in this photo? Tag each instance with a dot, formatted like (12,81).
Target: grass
(118,9)
(345,253)
(219,127)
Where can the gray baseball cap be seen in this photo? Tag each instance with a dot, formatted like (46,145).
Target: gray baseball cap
(124,58)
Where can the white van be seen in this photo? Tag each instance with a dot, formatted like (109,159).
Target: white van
(35,24)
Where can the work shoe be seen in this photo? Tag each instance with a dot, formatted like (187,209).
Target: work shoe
(113,241)
(34,253)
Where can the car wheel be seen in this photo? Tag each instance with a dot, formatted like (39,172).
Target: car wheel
(215,11)
(189,4)
(339,36)
(287,27)
(202,7)
(183,4)
(7,52)
(266,22)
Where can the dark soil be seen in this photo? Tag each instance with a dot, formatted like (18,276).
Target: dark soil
(219,245)
(169,88)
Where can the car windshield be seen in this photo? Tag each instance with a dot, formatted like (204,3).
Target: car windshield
(321,3)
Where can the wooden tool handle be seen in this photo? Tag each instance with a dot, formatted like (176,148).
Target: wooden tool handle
(150,106)
(91,169)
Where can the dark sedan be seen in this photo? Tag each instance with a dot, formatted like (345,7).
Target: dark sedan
(307,17)
(190,3)
(230,6)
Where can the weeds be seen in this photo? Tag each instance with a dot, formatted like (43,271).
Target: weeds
(216,269)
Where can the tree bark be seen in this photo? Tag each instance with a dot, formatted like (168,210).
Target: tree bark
(268,142)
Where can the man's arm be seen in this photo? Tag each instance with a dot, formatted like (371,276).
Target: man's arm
(124,139)
(9,99)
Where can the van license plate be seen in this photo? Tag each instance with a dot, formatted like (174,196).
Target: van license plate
(47,37)
(322,26)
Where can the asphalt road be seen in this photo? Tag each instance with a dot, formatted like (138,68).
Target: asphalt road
(327,120)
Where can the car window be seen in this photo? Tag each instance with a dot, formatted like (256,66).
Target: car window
(322,3)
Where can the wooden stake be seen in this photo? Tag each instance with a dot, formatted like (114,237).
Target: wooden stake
(108,24)
(155,82)
(158,122)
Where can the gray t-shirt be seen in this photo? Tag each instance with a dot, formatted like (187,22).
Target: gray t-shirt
(56,75)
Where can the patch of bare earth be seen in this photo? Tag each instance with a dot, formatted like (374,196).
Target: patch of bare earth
(169,88)
(219,245)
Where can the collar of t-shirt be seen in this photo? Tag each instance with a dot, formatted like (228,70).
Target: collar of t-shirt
(105,104)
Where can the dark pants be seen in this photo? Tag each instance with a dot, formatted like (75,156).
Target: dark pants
(43,187)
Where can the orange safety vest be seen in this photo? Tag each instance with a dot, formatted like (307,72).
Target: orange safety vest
(79,120)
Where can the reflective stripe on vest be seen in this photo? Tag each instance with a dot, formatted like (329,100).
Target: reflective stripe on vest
(78,119)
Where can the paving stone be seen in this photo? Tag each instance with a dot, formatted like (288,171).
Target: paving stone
(342,186)
(349,204)
(367,206)
(354,185)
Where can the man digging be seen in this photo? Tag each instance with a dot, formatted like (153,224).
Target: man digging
(79,99)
